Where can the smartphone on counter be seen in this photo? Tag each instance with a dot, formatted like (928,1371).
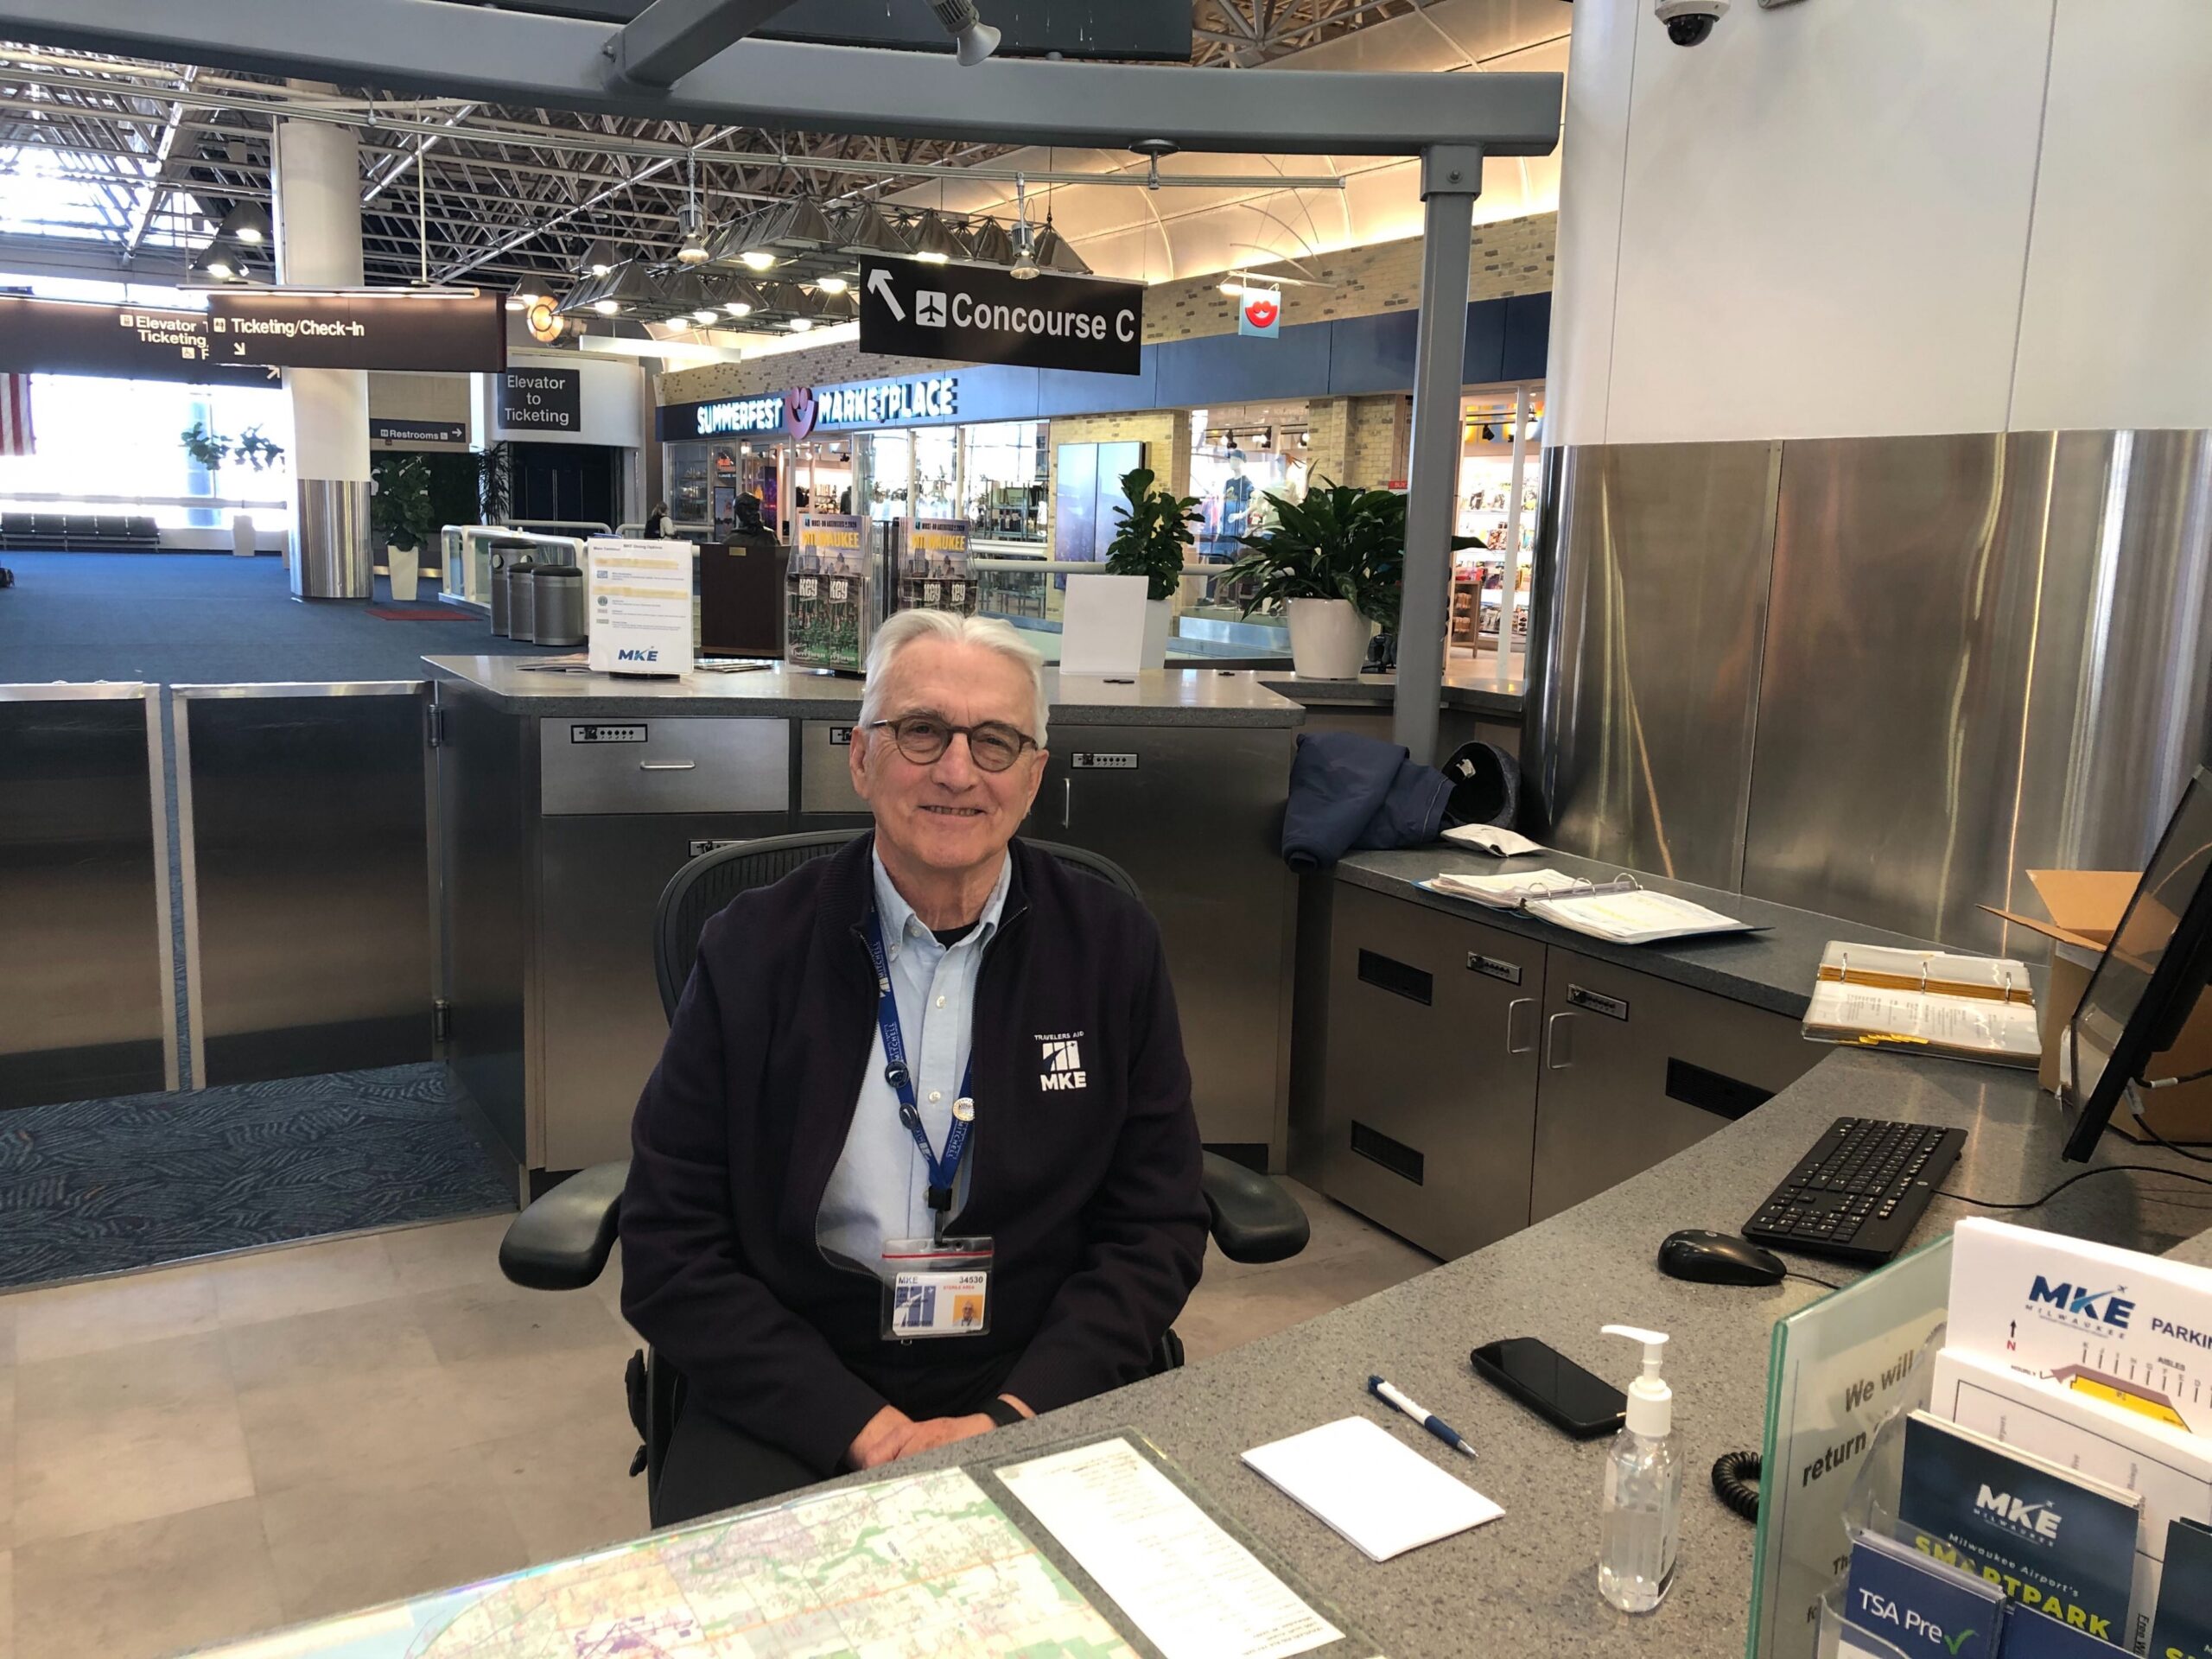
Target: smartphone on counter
(1552,1386)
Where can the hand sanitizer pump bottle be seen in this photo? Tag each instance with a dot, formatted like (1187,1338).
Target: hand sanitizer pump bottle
(1642,1523)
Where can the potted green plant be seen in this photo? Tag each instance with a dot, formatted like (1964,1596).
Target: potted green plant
(400,511)
(1154,530)
(1335,562)
(211,450)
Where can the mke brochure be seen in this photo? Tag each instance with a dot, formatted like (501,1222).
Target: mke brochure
(2183,1629)
(2133,1330)
(1920,1605)
(2057,1542)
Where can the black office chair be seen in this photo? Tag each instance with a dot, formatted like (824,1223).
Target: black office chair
(563,1240)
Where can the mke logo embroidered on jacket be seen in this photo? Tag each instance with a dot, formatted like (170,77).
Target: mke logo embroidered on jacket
(1061,1057)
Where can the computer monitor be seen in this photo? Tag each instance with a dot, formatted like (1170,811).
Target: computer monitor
(2148,983)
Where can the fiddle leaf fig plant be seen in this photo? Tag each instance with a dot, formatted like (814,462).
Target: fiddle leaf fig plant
(1154,529)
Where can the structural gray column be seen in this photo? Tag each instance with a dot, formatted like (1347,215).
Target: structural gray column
(1451,179)
(318,193)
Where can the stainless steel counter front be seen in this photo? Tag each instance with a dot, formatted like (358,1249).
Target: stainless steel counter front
(570,799)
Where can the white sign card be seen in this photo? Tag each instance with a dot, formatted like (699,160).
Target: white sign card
(639,595)
(1102,631)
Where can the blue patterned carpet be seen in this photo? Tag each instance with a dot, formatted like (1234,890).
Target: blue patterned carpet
(98,1186)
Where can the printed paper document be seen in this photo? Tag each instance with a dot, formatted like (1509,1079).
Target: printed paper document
(1194,1591)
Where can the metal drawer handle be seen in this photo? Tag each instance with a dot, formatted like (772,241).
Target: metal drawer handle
(667,766)
(1560,1029)
(1516,1041)
(1067,800)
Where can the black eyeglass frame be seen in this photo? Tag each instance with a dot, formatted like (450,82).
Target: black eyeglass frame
(1023,741)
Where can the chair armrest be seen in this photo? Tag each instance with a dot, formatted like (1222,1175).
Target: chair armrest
(563,1241)
(1255,1220)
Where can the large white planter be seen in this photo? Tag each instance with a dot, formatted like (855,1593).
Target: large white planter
(1158,623)
(241,535)
(1328,639)
(405,564)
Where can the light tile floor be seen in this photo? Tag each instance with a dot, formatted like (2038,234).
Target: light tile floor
(205,1451)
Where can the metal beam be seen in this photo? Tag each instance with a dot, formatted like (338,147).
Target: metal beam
(1451,179)
(670,38)
(516,57)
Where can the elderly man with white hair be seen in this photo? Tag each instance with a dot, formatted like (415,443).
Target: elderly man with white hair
(920,1157)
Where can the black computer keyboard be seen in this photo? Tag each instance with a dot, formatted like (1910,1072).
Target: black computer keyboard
(1857,1194)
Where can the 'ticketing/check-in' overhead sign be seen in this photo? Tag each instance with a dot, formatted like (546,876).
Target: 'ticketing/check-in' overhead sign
(971,313)
(450,332)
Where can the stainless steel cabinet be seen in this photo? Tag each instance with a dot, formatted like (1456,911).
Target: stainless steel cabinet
(1194,814)
(1477,1081)
(1432,1071)
(1636,1069)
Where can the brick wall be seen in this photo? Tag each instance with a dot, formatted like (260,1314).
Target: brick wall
(1513,256)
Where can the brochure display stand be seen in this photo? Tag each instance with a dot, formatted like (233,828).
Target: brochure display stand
(2029,1480)
(827,596)
(932,563)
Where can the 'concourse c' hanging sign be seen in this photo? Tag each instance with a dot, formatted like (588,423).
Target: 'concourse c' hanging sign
(969,314)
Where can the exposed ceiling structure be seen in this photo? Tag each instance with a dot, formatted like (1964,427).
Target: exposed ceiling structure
(132,164)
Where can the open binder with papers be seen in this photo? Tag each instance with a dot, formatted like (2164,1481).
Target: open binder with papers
(1620,910)
(1969,1007)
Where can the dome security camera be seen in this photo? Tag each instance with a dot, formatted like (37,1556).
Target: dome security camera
(1688,21)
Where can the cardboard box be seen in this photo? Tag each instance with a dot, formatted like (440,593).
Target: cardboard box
(2086,907)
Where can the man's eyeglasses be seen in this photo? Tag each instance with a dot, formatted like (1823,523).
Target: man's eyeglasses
(922,738)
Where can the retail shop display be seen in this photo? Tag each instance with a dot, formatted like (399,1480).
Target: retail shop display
(828,595)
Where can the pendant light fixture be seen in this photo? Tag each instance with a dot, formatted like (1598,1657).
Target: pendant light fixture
(598,258)
(1024,241)
(246,222)
(973,39)
(989,244)
(691,225)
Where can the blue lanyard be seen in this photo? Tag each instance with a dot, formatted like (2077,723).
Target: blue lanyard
(942,1170)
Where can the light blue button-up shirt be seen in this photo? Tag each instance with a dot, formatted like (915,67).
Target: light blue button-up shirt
(880,1189)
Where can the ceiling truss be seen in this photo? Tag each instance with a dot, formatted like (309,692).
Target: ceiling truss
(155,154)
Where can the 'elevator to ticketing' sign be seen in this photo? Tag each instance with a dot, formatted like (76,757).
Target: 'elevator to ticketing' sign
(974,315)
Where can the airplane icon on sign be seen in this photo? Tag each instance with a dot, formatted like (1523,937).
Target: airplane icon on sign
(928,309)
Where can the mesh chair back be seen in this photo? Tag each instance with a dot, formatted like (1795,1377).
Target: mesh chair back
(709,882)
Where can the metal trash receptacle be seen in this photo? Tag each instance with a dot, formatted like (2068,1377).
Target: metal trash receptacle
(558,592)
(497,592)
(522,599)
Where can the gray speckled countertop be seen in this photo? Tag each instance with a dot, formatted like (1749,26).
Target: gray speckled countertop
(1772,970)
(1169,696)
(1462,689)
(1526,1584)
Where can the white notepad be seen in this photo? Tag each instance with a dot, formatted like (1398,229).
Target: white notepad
(1371,1487)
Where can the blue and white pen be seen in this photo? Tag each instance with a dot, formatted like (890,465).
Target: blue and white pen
(1428,1419)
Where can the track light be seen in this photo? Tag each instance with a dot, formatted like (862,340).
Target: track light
(973,39)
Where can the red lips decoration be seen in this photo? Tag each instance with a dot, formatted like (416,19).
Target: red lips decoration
(1262,313)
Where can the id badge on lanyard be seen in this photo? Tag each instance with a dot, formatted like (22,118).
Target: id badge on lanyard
(939,1286)
(935,1287)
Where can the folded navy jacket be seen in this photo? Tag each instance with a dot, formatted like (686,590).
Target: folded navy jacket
(1349,793)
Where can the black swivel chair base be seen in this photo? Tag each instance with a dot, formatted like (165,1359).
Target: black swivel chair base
(561,1242)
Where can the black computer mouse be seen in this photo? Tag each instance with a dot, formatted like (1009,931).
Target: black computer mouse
(1705,1258)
